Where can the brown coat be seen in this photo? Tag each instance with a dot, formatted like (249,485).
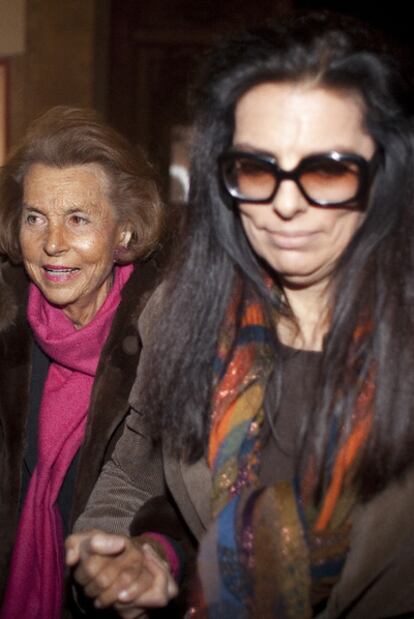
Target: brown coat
(377,581)
(109,400)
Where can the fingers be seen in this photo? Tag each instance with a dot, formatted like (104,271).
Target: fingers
(103,544)
(73,546)
(157,566)
(164,586)
(80,545)
(132,613)
(155,589)
(103,576)
(114,580)
(117,571)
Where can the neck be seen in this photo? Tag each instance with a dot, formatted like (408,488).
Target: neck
(309,307)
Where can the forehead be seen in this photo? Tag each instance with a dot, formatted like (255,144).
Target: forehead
(87,182)
(302,118)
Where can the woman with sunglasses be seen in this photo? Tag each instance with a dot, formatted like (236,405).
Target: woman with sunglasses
(282,395)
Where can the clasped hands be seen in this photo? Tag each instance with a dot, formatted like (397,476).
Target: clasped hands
(115,570)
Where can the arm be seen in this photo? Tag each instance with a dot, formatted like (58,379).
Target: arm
(123,502)
(115,569)
(132,476)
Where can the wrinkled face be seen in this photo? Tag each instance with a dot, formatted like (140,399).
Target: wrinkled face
(68,234)
(292,121)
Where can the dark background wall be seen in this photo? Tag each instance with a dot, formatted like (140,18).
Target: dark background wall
(134,60)
(155,49)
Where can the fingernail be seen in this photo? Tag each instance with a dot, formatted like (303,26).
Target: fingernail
(123,596)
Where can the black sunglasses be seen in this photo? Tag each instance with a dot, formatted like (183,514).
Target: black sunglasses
(325,179)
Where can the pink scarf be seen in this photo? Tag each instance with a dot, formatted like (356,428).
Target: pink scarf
(35,582)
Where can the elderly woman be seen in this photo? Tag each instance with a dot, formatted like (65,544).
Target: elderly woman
(283,340)
(79,216)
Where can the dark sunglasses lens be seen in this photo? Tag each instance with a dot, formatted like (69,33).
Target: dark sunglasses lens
(248,178)
(330,181)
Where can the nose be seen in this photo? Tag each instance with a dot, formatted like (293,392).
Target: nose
(55,242)
(288,200)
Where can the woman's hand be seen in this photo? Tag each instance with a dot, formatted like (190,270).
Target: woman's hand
(118,571)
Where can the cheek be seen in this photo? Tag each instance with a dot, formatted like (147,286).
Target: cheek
(255,235)
(248,223)
(96,249)
(343,227)
(28,246)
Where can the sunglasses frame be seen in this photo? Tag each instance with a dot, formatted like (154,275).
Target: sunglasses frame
(366,171)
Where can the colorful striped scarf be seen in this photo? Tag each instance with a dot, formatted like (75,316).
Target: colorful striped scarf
(272,552)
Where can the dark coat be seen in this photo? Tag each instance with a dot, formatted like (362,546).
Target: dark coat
(377,581)
(109,399)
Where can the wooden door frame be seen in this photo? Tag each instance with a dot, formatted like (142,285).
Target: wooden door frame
(4,108)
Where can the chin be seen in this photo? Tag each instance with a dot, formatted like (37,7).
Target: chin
(296,275)
(60,299)
(58,302)
(291,269)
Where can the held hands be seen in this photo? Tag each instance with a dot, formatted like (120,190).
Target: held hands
(118,571)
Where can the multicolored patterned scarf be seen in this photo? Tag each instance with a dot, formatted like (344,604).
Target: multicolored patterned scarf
(272,552)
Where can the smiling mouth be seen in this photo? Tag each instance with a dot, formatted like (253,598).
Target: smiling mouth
(60,269)
(60,273)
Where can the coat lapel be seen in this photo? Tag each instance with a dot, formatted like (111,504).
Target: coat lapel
(190,486)
(197,479)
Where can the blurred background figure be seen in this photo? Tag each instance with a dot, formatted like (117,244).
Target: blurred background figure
(80,215)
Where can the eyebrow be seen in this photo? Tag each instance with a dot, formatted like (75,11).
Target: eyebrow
(69,211)
(248,148)
(30,208)
(244,146)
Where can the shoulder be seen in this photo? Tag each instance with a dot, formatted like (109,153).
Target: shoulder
(147,330)
(134,297)
(142,282)
(150,314)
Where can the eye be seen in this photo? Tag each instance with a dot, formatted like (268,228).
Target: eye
(333,169)
(79,220)
(249,168)
(32,219)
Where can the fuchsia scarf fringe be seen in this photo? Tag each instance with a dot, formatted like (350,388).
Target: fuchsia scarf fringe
(35,583)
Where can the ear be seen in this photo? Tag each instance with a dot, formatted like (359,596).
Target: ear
(125,238)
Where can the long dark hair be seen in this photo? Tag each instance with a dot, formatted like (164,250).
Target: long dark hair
(374,280)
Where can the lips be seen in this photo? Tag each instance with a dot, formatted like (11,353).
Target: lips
(60,273)
(291,240)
